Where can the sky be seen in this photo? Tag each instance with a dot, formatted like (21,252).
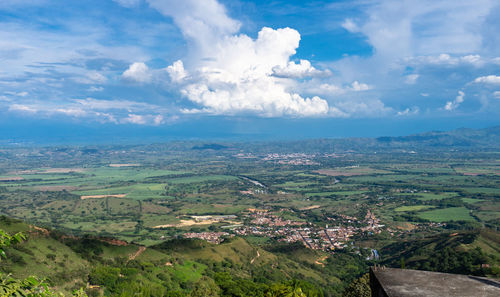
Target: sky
(109,70)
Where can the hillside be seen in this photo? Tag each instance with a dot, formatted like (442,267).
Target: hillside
(174,268)
(468,252)
(181,267)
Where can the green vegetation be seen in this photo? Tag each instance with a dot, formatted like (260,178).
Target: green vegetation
(249,198)
(30,286)
(359,287)
(178,267)
(471,200)
(432,196)
(458,252)
(447,214)
(413,207)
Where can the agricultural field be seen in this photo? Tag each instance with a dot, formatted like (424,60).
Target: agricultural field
(147,197)
(184,213)
(432,196)
(413,208)
(447,214)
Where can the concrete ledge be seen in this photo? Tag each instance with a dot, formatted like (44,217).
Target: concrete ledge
(393,282)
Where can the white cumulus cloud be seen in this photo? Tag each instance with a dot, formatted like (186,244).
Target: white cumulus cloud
(138,72)
(176,71)
(104,111)
(143,119)
(452,105)
(232,73)
(409,111)
(128,3)
(202,22)
(328,89)
(240,77)
(134,119)
(350,26)
(357,86)
(447,60)
(490,79)
(300,70)
(411,79)
(22,108)
(364,108)
(18,94)
(95,89)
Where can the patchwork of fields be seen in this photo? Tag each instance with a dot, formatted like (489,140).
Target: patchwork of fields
(132,199)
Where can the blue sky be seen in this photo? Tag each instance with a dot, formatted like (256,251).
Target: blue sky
(247,69)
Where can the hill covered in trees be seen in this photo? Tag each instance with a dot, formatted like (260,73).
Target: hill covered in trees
(99,266)
(181,267)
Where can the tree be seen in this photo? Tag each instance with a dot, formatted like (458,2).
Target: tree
(282,290)
(205,287)
(7,240)
(359,287)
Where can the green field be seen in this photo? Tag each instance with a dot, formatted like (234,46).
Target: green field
(91,177)
(202,179)
(135,191)
(485,190)
(413,207)
(348,193)
(321,194)
(294,184)
(431,196)
(447,214)
(471,200)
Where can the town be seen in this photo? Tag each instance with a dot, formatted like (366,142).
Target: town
(263,222)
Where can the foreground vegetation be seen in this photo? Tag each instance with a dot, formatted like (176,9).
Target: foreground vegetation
(173,268)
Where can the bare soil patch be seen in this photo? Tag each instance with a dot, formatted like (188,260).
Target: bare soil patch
(257,256)
(405,226)
(187,223)
(310,207)
(11,178)
(124,165)
(138,253)
(40,230)
(102,196)
(23,172)
(114,241)
(321,261)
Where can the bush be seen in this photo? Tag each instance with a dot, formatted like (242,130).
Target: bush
(359,287)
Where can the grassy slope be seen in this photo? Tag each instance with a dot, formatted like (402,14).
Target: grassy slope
(185,260)
(241,253)
(45,257)
(414,251)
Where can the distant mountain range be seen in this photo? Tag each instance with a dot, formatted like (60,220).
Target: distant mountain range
(463,139)
(459,137)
